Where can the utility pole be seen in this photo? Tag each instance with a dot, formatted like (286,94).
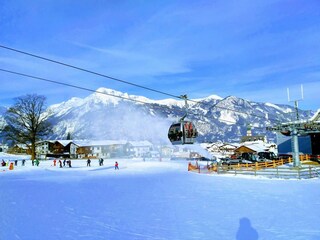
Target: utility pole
(294,129)
(294,139)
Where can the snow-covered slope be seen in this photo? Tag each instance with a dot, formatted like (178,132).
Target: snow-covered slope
(152,200)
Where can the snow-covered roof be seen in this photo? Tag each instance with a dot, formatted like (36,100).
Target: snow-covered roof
(229,145)
(22,146)
(258,146)
(316,116)
(87,143)
(64,142)
(140,143)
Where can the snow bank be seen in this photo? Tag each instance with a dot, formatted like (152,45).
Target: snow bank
(12,157)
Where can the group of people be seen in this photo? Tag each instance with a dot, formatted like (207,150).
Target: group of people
(35,162)
(3,163)
(64,162)
(101,160)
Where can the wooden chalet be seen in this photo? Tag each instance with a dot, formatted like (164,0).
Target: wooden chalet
(251,148)
(56,149)
(20,149)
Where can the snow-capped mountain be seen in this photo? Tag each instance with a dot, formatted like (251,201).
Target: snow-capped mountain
(102,116)
(2,121)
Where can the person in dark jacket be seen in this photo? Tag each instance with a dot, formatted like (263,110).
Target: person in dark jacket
(88,162)
(101,162)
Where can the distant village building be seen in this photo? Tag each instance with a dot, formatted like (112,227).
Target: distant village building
(251,138)
(166,151)
(309,141)
(250,147)
(248,144)
(114,149)
(20,149)
(306,143)
(181,152)
(227,147)
(220,148)
(139,148)
(101,149)
(56,149)
(3,147)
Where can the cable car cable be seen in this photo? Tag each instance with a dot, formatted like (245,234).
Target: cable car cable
(119,80)
(88,71)
(134,100)
(95,91)
(66,84)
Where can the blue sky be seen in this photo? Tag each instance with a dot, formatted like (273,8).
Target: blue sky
(249,49)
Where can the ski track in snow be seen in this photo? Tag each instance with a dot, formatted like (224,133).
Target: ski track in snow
(152,200)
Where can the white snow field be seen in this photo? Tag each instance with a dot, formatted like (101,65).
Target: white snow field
(152,200)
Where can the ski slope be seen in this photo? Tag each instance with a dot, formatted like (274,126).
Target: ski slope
(152,200)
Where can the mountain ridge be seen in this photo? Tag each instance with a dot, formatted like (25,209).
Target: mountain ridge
(102,116)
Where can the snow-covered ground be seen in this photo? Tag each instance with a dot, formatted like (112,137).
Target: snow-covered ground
(152,200)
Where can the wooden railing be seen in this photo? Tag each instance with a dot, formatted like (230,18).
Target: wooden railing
(267,169)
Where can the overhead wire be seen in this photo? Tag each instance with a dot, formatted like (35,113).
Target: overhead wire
(113,78)
(84,88)
(68,85)
(87,71)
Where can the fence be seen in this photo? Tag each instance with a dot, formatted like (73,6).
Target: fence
(285,173)
(270,169)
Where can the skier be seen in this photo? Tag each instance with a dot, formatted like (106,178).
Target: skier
(88,162)
(54,162)
(37,162)
(11,166)
(69,162)
(60,163)
(116,166)
(3,164)
(23,162)
(101,162)
(64,162)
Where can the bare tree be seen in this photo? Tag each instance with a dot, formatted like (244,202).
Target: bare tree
(27,121)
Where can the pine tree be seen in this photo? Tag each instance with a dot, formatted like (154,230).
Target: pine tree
(69,136)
